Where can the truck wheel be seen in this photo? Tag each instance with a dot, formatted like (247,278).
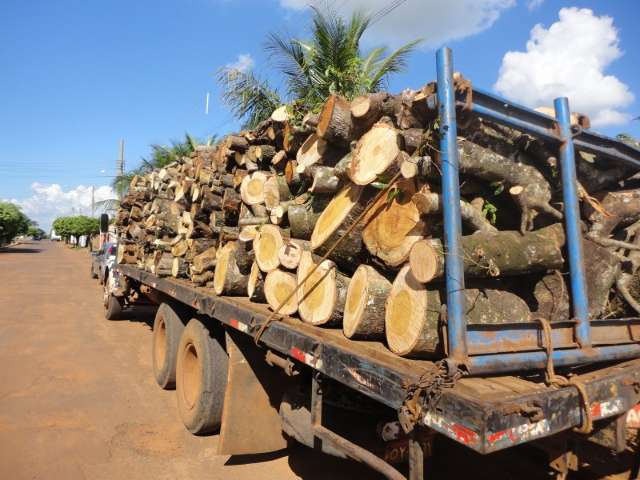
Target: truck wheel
(167,329)
(113,308)
(201,378)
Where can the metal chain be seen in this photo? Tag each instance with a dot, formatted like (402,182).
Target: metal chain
(425,394)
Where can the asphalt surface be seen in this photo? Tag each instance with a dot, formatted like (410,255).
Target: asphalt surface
(78,399)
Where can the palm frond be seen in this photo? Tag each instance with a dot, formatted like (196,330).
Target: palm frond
(249,98)
(396,62)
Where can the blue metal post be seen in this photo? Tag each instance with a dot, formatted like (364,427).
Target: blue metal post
(579,298)
(454,271)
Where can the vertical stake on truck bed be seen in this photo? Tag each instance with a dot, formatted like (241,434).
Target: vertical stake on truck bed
(456,322)
(579,298)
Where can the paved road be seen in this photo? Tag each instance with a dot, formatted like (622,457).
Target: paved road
(78,400)
(77,396)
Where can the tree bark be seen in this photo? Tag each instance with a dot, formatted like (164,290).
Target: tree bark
(504,253)
(364,310)
(334,124)
(227,278)
(255,285)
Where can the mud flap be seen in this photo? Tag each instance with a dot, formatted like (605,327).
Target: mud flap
(250,420)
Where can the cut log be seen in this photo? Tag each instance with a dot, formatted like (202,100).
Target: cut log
(252,188)
(227,278)
(325,180)
(179,267)
(162,264)
(392,227)
(532,192)
(321,298)
(244,255)
(364,310)
(334,124)
(413,313)
(431,203)
(339,215)
(255,285)
(618,209)
(278,286)
(203,278)
(267,246)
(280,114)
(291,252)
(180,248)
(504,253)
(375,154)
(368,109)
(231,202)
(204,261)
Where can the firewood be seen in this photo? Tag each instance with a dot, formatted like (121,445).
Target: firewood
(504,253)
(280,114)
(278,286)
(204,261)
(334,123)
(413,313)
(203,278)
(179,268)
(180,248)
(244,255)
(291,252)
(335,220)
(364,310)
(162,264)
(266,246)
(252,188)
(227,278)
(392,227)
(375,154)
(431,203)
(321,298)
(325,180)
(255,285)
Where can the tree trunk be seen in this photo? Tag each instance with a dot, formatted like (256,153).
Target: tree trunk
(413,313)
(503,253)
(204,261)
(364,309)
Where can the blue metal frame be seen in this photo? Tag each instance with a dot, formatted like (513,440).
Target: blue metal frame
(471,348)
(454,270)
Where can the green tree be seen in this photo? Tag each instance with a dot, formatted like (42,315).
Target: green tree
(36,232)
(76,226)
(12,222)
(330,61)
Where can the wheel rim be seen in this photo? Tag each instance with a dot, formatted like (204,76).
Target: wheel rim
(160,344)
(190,375)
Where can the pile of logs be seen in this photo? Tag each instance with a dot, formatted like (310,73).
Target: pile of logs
(337,218)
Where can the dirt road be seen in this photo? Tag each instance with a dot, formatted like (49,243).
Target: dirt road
(77,396)
(78,400)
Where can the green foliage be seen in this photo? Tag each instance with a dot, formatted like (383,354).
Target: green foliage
(36,232)
(12,222)
(490,211)
(329,62)
(76,226)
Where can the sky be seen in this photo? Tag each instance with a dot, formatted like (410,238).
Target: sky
(76,76)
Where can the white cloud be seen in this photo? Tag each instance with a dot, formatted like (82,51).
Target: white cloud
(50,201)
(569,59)
(434,21)
(243,63)
(533,4)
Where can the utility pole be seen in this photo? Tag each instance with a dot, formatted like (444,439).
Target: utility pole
(120,165)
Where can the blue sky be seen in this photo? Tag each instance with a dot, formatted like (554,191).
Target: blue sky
(78,75)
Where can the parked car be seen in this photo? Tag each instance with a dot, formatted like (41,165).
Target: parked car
(102,261)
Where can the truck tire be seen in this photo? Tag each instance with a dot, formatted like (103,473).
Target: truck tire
(167,330)
(201,378)
(113,308)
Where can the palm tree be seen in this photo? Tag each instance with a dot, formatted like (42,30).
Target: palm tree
(330,62)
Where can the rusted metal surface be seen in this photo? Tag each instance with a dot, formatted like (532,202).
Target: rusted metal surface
(486,415)
(250,420)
